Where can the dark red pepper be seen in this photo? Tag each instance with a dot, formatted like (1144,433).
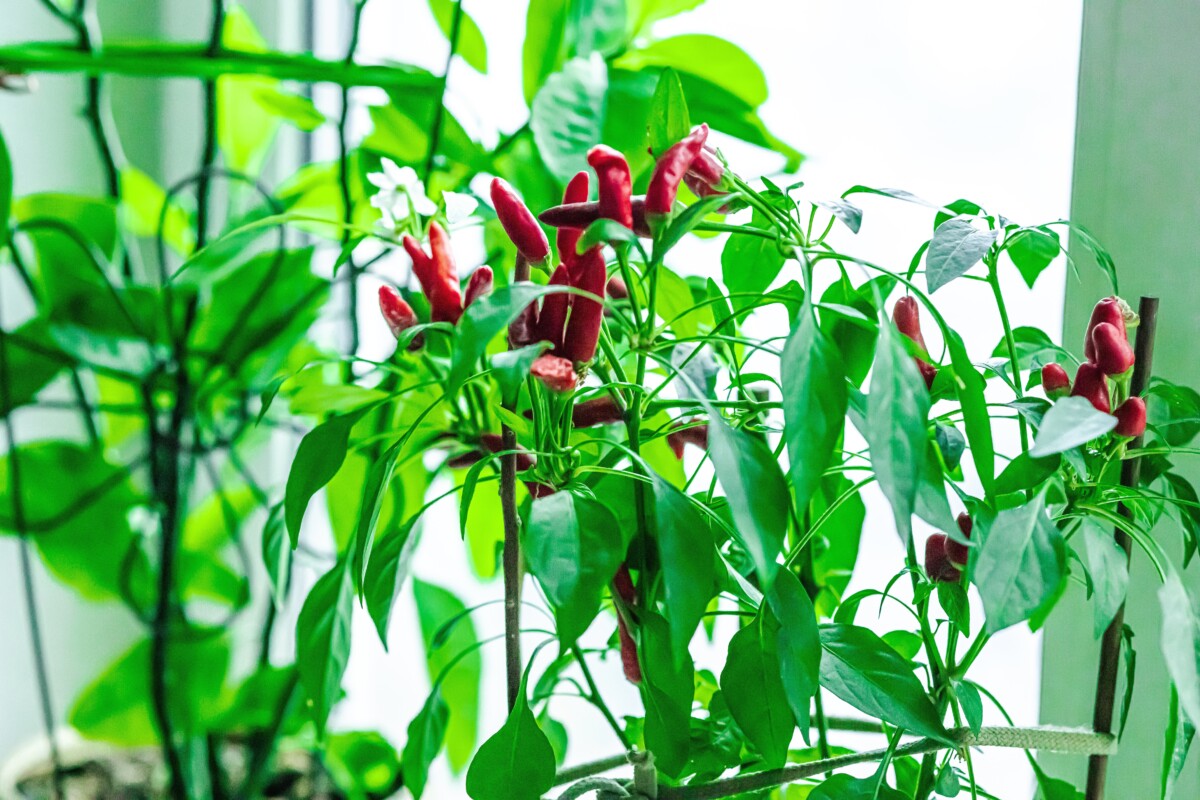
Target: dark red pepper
(1131,417)
(581,214)
(567,238)
(1111,350)
(957,552)
(478,285)
(617,288)
(494,443)
(524,329)
(907,317)
(590,274)
(669,171)
(1055,381)
(552,319)
(1092,385)
(937,562)
(599,411)
(615,182)
(437,274)
(519,223)
(685,433)
(396,312)
(623,588)
(1108,310)
(558,374)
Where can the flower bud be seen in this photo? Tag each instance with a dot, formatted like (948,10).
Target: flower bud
(558,374)
(937,563)
(1110,310)
(1131,417)
(479,285)
(599,411)
(669,171)
(1092,385)
(616,184)
(1055,381)
(518,223)
(957,552)
(1111,350)
(397,313)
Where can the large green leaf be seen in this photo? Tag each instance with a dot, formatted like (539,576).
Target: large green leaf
(668,688)
(318,459)
(1020,565)
(749,264)
(708,57)
(460,686)
(1109,572)
(753,689)
(863,670)
(567,115)
(116,707)
(814,404)
(387,570)
(541,54)
(6,190)
(799,644)
(517,762)
(1070,422)
(30,367)
(323,640)
(970,385)
(669,119)
(1031,251)
(688,562)
(471,44)
(426,733)
(897,409)
(957,246)
(573,546)
(596,26)
(1179,640)
(756,491)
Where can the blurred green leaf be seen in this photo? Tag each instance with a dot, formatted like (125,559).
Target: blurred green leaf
(710,58)
(1108,570)
(323,641)
(363,764)
(426,733)
(460,686)
(6,190)
(33,361)
(644,13)
(567,115)
(596,26)
(471,45)
(667,691)
(318,458)
(245,128)
(542,52)
(1180,642)
(142,207)
(847,787)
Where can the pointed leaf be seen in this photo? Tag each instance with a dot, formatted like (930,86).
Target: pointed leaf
(668,689)
(318,459)
(323,640)
(957,246)
(754,690)
(799,645)
(1020,565)
(517,762)
(1070,422)
(688,562)
(1180,630)
(426,733)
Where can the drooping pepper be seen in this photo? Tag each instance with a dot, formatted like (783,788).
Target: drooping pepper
(566,237)
(1110,310)
(494,443)
(478,285)
(582,334)
(669,171)
(1131,417)
(598,411)
(1111,351)
(937,562)
(552,319)
(907,317)
(957,552)
(519,224)
(1055,381)
(581,214)
(623,588)
(437,274)
(1092,385)
(685,433)
(617,288)
(615,182)
(557,373)
(397,313)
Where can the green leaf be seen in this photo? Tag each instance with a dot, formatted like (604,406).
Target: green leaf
(847,212)
(471,44)
(1025,472)
(318,458)
(709,58)
(245,129)
(669,120)
(814,404)
(596,26)
(957,246)
(688,562)
(861,669)
(573,546)
(754,690)
(1070,422)
(460,686)
(953,599)
(1180,633)
(846,787)
(296,109)
(323,640)
(142,207)
(972,705)
(604,231)
(1173,412)
(511,368)
(799,645)
(276,555)
(362,764)
(374,491)
(567,115)
(976,418)
(517,762)
(897,409)
(29,370)
(387,570)
(749,264)
(668,689)
(116,706)
(426,733)
(1109,571)
(1032,250)
(756,491)
(541,54)
(1034,348)
(483,321)
(6,190)
(1180,732)
(1020,565)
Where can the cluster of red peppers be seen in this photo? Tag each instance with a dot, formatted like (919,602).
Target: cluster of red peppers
(946,558)
(1108,354)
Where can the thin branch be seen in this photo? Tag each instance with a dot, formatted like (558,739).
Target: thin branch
(439,114)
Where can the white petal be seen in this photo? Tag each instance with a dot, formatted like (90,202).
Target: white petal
(407,177)
(394,173)
(425,207)
(459,206)
(381,180)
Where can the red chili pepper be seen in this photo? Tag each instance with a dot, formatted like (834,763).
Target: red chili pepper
(494,443)
(708,169)
(518,223)
(1055,381)
(1131,417)
(907,317)
(957,552)
(590,274)
(567,238)
(437,274)
(1092,385)
(684,433)
(580,215)
(600,411)
(616,184)
(557,373)
(623,588)
(478,285)
(524,329)
(396,312)
(937,562)
(1111,350)
(1107,310)
(539,490)
(669,171)
(552,319)
(464,460)
(617,288)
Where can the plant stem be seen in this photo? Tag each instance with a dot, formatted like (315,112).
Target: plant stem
(1010,343)
(344,186)
(1110,645)
(439,113)
(208,155)
(597,700)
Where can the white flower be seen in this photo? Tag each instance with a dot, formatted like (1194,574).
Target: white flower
(400,193)
(459,206)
